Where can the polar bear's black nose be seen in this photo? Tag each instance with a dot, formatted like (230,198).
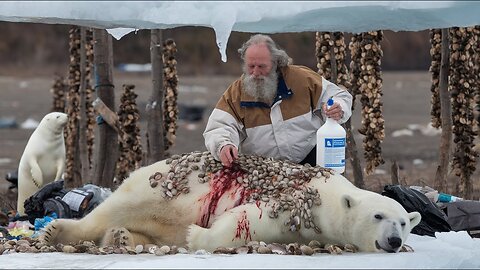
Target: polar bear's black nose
(394,242)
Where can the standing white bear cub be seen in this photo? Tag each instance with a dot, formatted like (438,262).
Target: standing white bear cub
(43,159)
(192,200)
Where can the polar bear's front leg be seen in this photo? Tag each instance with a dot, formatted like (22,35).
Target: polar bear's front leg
(60,168)
(237,227)
(65,231)
(37,176)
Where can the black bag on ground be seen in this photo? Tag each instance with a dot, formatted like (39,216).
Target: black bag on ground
(433,219)
(35,204)
(75,203)
(464,216)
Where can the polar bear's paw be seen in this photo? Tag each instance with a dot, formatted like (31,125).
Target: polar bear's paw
(52,231)
(120,237)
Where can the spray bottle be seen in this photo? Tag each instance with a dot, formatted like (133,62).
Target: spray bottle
(331,141)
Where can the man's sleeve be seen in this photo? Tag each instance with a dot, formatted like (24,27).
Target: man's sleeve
(341,96)
(222,127)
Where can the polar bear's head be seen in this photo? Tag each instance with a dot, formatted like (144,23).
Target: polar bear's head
(54,122)
(378,223)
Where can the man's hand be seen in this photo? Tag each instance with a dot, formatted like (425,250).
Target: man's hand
(335,111)
(228,154)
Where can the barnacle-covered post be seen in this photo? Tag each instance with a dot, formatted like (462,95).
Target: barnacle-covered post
(330,52)
(89,123)
(58,91)
(170,82)
(86,119)
(370,85)
(72,174)
(130,149)
(462,81)
(477,91)
(436,55)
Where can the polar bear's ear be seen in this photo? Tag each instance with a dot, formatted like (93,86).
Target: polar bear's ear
(348,201)
(415,218)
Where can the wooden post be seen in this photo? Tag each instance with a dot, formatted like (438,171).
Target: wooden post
(83,163)
(352,154)
(106,150)
(446,115)
(155,126)
(395,174)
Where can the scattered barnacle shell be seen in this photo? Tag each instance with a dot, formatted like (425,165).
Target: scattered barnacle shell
(182,250)
(150,248)
(81,248)
(264,250)
(22,248)
(22,242)
(104,250)
(306,250)
(277,248)
(406,248)
(224,250)
(350,248)
(138,249)
(130,250)
(153,184)
(165,249)
(94,250)
(69,249)
(333,249)
(159,252)
(294,248)
(173,250)
(314,244)
(89,243)
(201,252)
(9,251)
(46,249)
(244,250)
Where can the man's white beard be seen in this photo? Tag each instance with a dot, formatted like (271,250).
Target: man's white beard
(263,88)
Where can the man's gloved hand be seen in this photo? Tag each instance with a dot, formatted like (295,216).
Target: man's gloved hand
(335,111)
(228,154)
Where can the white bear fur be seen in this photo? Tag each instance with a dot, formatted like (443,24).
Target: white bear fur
(43,159)
(346,215)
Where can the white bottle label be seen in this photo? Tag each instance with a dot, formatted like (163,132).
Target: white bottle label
(74,198)
(334,155)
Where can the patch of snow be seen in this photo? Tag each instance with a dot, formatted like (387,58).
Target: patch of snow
(402,132)
(449,250)
(30,124)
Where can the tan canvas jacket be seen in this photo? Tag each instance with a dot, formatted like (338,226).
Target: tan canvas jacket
(284,130)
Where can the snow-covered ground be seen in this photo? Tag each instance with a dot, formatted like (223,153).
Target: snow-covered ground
(451,250)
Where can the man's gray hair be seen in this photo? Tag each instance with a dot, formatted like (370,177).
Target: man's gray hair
(279,57)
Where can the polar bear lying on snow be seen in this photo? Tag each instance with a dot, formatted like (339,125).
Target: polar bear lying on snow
(191,199)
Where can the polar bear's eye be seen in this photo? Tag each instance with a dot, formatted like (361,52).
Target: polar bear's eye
(378,216)
(403,223)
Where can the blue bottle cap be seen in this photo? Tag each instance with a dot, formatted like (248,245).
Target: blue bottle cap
(330,102)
